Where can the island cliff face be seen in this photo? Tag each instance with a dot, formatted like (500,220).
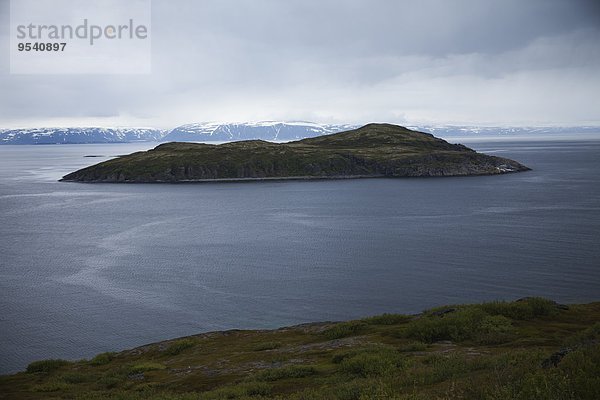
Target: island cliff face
(375,150)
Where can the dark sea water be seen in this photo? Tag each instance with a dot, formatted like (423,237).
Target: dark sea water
(87,268)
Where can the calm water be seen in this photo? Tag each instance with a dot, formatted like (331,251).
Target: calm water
(89,268)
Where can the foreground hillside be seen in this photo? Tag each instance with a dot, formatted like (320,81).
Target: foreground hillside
(375,150)
(529,349)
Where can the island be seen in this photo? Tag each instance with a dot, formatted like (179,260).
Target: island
(374,150)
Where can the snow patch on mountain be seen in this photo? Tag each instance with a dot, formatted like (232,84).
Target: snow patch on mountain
(263,130)
(79,135)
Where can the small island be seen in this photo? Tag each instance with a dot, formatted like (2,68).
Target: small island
(374,150)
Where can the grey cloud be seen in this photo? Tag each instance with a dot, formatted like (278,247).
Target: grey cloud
(434,61)
(430,27)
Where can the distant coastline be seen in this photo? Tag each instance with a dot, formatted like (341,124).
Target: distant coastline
(265,130)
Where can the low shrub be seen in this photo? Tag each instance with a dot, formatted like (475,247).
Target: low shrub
(456,326)
(263,346)
(110,381)
(293,371)
(369,361)
(114,376)
(102,358)
(526,309)
(51,386)
(76,377)
(178,346)
(46,366)
(587,336)
(442,367)
(467,323)
(344,329)
(145,367)
(387,319)
(369,365)
(582,369)
(242,390)
(494,330)
(413,346)
(147,392)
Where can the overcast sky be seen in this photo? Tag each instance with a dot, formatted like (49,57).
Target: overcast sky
(472,62)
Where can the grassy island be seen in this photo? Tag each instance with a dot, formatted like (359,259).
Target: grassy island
(375,150)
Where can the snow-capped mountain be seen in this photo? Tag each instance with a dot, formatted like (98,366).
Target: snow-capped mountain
(266,130)
(473,131)
(79,135)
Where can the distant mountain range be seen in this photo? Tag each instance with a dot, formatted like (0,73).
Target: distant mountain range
(267,130)
(79,135)
(453,131)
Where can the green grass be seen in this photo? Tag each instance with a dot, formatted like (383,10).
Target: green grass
(264,346)
(370,361)
(145,367)
(46,366)
(179,346)
(344,329)
(290,372)
(468,323)
(387,319)
(102,358)
(486,351)
(413,346)
(525,309)
(51,386)
(243,390)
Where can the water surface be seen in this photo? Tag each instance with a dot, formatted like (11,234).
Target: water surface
(86,268)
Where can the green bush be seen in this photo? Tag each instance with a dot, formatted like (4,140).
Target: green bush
(145,367)
(294,371)
(102,358)
(494,330)
(467,323)
(413,346)
(114,376)
(369,365)
(344,329)
(456,326)
(591,334)
(111,380)
(441,367)
(520,376)
(51,386)
(242,390)
(541,385)
(46,366)
(146,393)
(526,309)
(179,346)
(582,369)
(76,377)
(263,346)
(387,319)
(369,361)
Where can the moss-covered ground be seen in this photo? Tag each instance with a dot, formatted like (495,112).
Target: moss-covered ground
(529,349)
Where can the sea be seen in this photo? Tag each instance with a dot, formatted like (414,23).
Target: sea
(88,268)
